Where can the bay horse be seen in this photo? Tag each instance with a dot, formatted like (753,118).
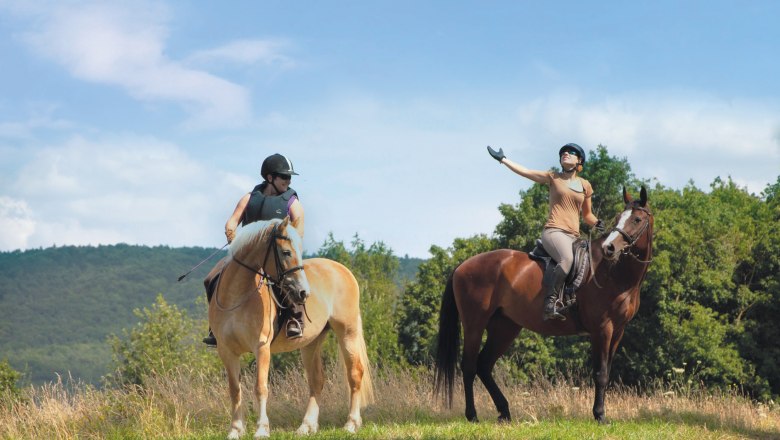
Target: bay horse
(501,292)
(242,311)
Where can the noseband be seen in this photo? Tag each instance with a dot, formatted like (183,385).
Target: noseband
(273,248)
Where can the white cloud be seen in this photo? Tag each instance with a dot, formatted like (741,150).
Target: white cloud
(16,224)
(136,190)
(269,52)
(124,45)
(667,135)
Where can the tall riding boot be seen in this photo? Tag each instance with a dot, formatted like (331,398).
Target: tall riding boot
(209,340)
(553,281)
(294,324)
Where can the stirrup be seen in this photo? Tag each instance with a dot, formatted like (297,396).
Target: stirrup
(293,329)
(553,315)
(210,340)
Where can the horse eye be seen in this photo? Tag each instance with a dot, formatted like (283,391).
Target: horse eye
(637,219)
(287,253)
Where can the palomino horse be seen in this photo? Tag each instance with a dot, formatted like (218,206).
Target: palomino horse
(501,292)
(241,316)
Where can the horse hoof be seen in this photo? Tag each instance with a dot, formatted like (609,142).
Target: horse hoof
(236,432)
(472,419)
(263,432)
(352,426)
(505,418)
(306,429)
(602,421)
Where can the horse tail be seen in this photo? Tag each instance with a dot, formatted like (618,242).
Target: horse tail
(448,344)
(366,384)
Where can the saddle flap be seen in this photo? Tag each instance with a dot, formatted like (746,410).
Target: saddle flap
(581,264)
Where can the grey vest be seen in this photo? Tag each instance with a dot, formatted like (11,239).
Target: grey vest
(262,207)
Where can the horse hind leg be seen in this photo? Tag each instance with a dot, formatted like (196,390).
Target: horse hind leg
(353,349)
(233,370)
(468,366)
(311,355)
(501,332)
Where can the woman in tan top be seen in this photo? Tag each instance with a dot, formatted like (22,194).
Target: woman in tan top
(570,197)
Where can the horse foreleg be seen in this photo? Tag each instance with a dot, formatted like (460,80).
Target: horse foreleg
(600,347)
(468,365)
(233,370)
(263,356)
(501,332)
(312,362)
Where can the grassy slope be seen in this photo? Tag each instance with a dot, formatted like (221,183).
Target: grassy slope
(195,406)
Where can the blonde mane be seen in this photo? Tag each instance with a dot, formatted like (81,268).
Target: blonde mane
(258,233)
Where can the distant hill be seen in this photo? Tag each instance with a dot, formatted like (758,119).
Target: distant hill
(58,305)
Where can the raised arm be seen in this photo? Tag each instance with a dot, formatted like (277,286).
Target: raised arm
(537,176)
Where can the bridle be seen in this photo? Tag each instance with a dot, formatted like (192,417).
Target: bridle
(273,248)
(632,240)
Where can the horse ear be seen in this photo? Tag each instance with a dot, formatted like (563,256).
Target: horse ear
(285,222)
(626,197)
(643,197)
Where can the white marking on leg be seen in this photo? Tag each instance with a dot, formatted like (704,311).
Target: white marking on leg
(310,423)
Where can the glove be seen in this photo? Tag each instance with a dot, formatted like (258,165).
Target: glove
(599,226)
(497,155)
(230,234)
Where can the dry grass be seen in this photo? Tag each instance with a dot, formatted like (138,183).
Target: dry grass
(188,404)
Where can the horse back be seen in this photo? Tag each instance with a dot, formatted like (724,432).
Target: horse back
(333,284)
(508,282)
(496,279)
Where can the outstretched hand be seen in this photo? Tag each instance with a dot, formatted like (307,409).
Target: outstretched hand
(497,155)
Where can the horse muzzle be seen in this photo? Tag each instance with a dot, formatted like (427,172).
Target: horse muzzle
(610,251)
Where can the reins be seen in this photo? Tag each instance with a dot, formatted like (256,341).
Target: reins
(281,272)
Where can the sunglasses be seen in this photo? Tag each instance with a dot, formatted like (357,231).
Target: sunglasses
(571,153)
(283,176)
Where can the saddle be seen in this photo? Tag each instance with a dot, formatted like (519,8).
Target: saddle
(578,273)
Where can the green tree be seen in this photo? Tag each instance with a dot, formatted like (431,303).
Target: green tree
(700,291)
(760,343)
(376,270)
(9,379)
(164,339)
(418,315)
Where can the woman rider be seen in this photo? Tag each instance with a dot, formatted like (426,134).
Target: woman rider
(269,200)
(570,196)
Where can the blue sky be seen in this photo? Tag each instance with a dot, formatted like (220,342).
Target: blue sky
(144,122)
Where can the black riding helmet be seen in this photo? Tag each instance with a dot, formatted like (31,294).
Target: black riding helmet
(575,147)
(277,164)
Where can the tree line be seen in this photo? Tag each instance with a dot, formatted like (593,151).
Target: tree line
(707,313)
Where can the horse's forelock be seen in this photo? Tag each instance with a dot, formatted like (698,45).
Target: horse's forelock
(250,235)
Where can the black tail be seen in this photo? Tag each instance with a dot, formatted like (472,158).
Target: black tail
(448,344)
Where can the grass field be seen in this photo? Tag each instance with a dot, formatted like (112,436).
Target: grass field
(191,406)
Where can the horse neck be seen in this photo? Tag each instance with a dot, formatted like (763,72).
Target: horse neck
(242,278)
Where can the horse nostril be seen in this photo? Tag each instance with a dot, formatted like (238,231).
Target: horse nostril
(304,294)
(610,249)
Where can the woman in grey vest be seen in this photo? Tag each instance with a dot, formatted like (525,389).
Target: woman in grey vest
(269,200)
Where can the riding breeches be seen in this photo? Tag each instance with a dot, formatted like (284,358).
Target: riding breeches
(558,243)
